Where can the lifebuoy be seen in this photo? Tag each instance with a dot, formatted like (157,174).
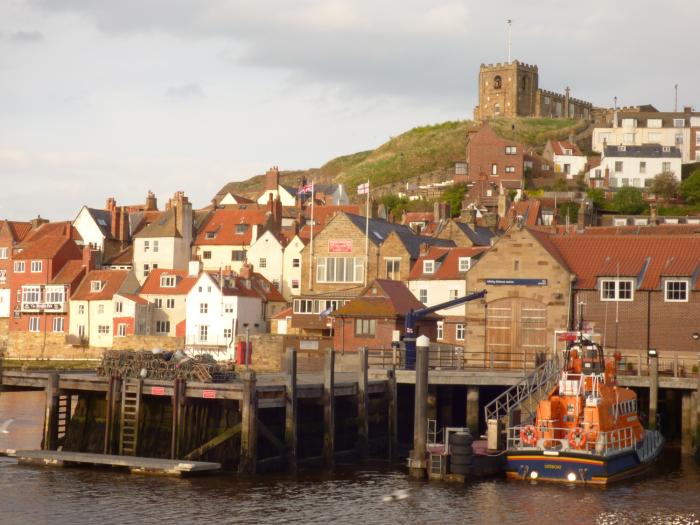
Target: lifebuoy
(529,435)
(577,438)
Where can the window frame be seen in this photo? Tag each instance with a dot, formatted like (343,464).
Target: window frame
(34,324)
(467,260)
(605,289)
(19,267)
(686,290)
(429,266)
(440,334)
(58,324)
(460,327)
(365,327)
(36,266)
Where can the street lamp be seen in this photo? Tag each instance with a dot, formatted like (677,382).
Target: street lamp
(247,342)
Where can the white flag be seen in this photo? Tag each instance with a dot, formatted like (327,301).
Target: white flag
(363,188)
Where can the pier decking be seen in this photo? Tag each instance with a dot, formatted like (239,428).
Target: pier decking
(134,464)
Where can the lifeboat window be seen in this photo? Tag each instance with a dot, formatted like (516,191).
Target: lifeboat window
(570,407)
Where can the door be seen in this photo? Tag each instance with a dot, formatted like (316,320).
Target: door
(515,332)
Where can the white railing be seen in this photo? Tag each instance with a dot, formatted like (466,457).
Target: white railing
(556,439)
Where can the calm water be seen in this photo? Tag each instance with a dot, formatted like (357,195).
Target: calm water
(347,495)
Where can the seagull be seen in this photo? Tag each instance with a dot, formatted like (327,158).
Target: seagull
(5,425)
(396,495)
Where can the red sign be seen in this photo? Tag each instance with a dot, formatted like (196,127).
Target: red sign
(157,391)
(567,336)
(340,246)
(209,394)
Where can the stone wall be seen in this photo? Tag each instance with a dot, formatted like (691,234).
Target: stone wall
(4,329)
(148,342)
(30,345)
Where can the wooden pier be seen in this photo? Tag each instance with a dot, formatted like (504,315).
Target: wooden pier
(258,422)
(135,465)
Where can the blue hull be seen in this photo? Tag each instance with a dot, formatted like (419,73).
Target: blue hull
(588,469)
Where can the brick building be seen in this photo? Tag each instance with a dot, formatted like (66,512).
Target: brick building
(528,287)
(11,234)
(47,266)
(333,265)
(375,314)
(498,159)
(512,90)
(639,291)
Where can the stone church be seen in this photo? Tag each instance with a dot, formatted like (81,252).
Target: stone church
(512,90)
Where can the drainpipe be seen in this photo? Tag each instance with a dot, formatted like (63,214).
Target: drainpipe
(648,319)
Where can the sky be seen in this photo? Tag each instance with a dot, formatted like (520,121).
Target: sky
(112,98)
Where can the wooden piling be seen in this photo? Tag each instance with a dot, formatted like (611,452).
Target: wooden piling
(392,414)
(417,463)
(175,434)
(686,422)
(363,405)
(653,390)
(109,416)
(291,408)
(51,414)
(329,408)
(249,418)
(473,409)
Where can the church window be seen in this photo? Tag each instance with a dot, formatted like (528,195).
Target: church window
(497,82)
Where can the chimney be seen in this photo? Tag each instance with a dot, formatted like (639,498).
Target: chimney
(183,214)
(581,218)
(124,232)
(89,259)
(38,222)
(606,178)
(151,202)
(115,217)
(687,109)
(193,268)
(272,179)
(270,202)
(277,213)
(111,203)
(615,123)
(653,218)
(424,248)
(254,234)
(246,271)
(68,231)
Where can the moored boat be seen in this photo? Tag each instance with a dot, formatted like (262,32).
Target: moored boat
(588,428)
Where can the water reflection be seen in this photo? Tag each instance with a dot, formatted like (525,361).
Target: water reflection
(348,494)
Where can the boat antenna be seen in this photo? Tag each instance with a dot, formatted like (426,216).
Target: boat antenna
(580,317)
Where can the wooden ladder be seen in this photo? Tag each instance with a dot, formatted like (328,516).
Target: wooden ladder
(64,413)
(129,417)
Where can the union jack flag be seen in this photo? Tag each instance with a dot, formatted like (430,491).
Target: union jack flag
(306,188)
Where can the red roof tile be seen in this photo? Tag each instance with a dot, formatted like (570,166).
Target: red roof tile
(446,262)
(111,281)
(135,298)
(71,272)
(283,314)
(648,258)
(529,210)
(382,298)
(47,248)
(17,230)
(183,283)
(51,229)
(322,214)
(220,229)
(560,145)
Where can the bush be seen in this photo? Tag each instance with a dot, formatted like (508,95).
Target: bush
(690,188)
(454,196)
(665,185)
(597,197)
(629,200)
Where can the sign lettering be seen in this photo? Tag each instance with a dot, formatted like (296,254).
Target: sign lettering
(157,391)
(516,282)
(209,394)
(340,246)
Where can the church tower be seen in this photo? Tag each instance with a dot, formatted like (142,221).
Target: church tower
(507,90)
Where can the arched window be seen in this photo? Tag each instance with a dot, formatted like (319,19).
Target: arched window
(497,82)
(523,84)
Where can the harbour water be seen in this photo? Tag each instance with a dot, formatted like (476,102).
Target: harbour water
(348,494)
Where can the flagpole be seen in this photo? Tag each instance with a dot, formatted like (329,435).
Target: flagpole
(311,241)
(367,235)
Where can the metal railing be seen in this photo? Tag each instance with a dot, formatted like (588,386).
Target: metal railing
(443,356)
(528,388)
(556,439)
(675,365)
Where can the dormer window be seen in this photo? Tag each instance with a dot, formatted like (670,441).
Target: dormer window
(241,228)
(621,148)
(167,281)
(567,151)
(666,149)
(96,286)
(210,235)
(428,266)
(465,263)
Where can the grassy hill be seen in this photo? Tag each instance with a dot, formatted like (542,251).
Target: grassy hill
(417,152)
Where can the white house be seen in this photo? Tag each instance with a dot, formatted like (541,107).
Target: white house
(166,242)
(266,254)
(566,157)
(219,307)
(637,165)
(273,189)
(635,128)
(291,272)
(439,276)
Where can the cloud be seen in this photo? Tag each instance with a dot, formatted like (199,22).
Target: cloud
(185,91)
(26,37)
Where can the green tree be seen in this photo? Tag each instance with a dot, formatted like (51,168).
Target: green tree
(568,209)
(597,197)
(690,188)
(629,200)
(454,196)
(560,185)
(665,185)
